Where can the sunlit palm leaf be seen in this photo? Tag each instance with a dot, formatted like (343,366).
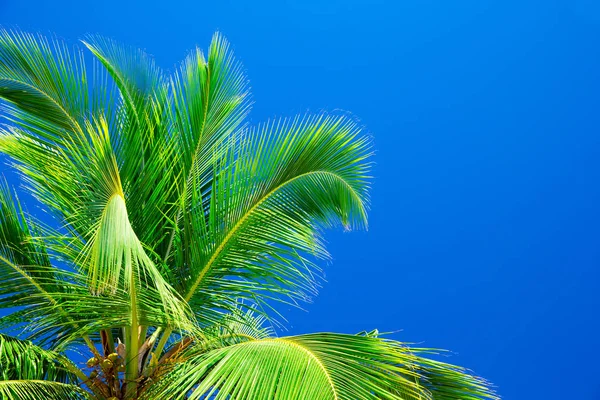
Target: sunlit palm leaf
(44,80)
(210,103)
(316,366)
(16,235)
(21,360)
(35,390)
(288,179)
(143,142)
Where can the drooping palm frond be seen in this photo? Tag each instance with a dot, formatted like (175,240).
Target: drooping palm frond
(317,366)
(57,304)
(288,179)
(16,234)
(44,81)
(22,360)
(30,372)
(143,141)
(35,390)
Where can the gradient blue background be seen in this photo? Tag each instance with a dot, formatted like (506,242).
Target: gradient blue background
(485,221)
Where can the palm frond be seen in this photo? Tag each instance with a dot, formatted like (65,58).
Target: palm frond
(86,185)
(57,305)
(17,241)
(29,282)
(239,322)
(315,366)
(53,157)
(210,103)
(288,180)
(449,382)
(20,359)
(45,81)
(62,319)
(143,142)
(35,390)
(135,73)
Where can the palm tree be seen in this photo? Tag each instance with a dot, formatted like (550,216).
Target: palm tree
(177,230)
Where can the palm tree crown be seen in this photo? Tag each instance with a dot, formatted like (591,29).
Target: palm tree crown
(177,227)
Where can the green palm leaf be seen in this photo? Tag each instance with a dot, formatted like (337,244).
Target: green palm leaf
(22,360)
(35,390)
(317,366)
(44,81)
(288,179)
(30,372)
(210,102)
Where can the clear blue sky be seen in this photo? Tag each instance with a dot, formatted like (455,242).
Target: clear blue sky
(485,221)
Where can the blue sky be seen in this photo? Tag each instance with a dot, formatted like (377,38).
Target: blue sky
(485,224)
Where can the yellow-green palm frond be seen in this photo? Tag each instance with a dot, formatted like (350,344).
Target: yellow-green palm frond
(21,360)
(316,366)
(35,390)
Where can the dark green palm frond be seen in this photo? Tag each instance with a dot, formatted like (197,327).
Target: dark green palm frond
(45,81)
(30,372)
(289,179)
(110,264)
(449,382)
(241,322)
(17,242)
(28,281)
(20,359)
(52,141)
(86,183)
(46,304)
(62,319)
(135,73)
